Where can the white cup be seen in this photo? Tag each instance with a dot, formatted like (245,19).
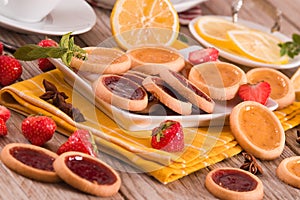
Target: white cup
(27,10)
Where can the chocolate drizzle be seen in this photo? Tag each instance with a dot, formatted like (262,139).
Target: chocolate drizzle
(250,164)
(58,99)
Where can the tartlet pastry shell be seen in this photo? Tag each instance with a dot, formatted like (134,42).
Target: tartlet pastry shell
(245,143)
(25,170)
(223,193)
(285,175)
(82,184)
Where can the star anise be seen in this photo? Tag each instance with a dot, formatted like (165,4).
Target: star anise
(250,164)
(58,99)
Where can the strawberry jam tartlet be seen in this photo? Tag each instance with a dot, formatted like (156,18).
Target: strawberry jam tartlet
(234,183)
(120,92)
(87,173)
(30,161)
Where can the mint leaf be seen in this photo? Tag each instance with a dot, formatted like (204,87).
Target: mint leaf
(32,52)
(66,51)
(291,48)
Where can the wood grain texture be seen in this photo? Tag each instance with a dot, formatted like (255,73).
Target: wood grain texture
(135,184)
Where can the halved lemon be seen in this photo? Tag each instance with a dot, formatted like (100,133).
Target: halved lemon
(257,46)
(295,79)
(214,30)
(257,130)
(144,22)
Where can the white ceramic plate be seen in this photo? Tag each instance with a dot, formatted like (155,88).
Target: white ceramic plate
(138,122)
(242,60)
(69,15)
(179,5)
(183,5)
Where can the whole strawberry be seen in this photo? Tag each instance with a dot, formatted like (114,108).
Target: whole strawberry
(10,70)
(80,140)
(38,129)
(168,136)
(3,128)
(258,92)
(4,113)
(44,64)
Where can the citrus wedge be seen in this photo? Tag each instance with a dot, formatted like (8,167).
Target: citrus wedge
(144,22)
(257,46)
(214,30)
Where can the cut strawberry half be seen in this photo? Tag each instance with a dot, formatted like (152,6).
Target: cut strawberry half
(258,92)
(81,141)
(203,55)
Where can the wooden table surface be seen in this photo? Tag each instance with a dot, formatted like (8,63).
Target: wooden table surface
(140,185)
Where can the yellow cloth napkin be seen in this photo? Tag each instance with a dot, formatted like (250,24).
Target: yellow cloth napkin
(203,146)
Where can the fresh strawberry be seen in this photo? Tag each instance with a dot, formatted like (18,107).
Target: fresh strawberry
(3,128)
(4,113)
(80,140)
(203,55)
(168,136)
(258,92)
(10,70)
(38,129)
(44,64)
(1,48)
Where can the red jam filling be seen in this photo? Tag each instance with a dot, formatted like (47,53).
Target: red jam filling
(33,158)
(90,170)
(124,87)
(234,180)
(168,89)
(186,83)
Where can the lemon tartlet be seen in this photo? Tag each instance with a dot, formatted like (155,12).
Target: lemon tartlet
(150,59)
(282,90)
(220,80)
(257,130)
(102,60)
(289,171)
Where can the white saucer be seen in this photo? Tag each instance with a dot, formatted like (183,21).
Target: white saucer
(183,5)
(75,16)
(179,5)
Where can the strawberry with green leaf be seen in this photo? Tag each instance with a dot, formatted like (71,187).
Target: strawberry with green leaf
(168,136)
(81,141)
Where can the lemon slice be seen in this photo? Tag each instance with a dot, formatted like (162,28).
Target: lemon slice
(214,30)
(144,22)
(257,46)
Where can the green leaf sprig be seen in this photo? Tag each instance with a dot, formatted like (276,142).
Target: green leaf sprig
(65,51)
(291,48)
